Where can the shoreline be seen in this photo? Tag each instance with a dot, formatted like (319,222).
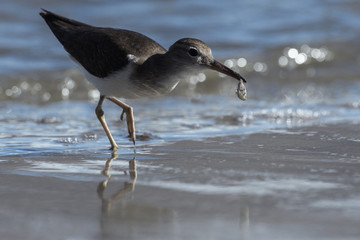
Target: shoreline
(248,187)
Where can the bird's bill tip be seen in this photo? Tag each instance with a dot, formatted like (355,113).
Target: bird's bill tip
(215,65)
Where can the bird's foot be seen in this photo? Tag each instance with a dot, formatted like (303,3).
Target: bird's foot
(130,122)
(114,148)
(122,115)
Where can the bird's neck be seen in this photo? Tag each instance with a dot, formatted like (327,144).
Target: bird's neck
(162,65)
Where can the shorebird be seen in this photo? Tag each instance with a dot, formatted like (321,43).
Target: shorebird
(127,64)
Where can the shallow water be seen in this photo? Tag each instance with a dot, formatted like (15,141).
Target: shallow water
(203,157)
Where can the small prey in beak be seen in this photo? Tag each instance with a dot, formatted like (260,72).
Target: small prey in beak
(241,90)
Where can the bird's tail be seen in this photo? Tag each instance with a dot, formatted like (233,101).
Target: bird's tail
(52,18)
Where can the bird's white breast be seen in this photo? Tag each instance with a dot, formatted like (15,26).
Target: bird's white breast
(117,84)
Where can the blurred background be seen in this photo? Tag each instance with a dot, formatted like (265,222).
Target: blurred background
(301,60)
(267,41)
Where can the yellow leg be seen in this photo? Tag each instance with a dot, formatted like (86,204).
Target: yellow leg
(129,116)
(101,116)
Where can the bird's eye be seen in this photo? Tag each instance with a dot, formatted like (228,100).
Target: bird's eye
(193,52)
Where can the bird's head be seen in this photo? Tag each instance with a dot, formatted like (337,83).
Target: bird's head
(196,54)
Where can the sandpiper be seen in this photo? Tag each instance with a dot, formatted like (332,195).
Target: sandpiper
(127,64)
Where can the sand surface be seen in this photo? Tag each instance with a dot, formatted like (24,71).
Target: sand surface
(302,183)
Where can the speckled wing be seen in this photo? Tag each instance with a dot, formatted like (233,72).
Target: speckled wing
(101,51)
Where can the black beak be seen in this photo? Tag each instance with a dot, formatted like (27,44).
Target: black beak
(215,65)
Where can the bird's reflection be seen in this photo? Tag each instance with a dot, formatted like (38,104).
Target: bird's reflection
(123,215)
(120,214)
(245,222)
(127,188)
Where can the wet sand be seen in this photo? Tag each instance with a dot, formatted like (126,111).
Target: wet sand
(300,183)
